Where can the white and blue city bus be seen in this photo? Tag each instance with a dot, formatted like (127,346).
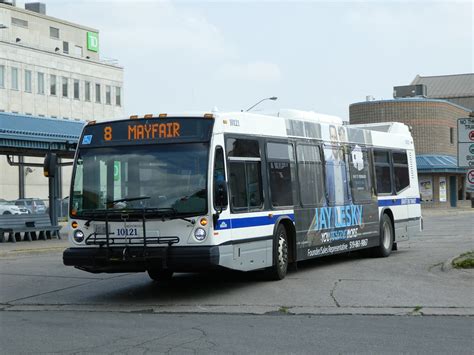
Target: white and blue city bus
(242,191)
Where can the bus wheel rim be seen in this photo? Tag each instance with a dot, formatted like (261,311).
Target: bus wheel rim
(282,253)
(387,235)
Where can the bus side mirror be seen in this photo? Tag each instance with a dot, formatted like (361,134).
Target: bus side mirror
(49,166)
(221,196)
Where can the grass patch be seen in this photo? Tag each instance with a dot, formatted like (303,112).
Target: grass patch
(284,310)
(464,261)
(417,308)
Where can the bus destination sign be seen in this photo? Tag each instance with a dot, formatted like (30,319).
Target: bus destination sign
(147,131)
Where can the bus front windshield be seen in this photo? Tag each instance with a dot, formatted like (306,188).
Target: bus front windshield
(168,178)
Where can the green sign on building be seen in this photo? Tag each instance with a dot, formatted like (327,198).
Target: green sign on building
(93,41)
(116,170)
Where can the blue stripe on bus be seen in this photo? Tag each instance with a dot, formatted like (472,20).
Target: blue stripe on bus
(399,202)
(250,221)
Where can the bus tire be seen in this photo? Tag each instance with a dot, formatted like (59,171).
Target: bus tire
(160,274)
(280,255)
(386,238)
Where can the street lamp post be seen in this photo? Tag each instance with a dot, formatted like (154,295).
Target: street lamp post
(273,98)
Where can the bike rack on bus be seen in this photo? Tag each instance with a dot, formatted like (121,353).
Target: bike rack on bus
(108,241)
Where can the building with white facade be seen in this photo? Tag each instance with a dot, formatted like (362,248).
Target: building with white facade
(51,68)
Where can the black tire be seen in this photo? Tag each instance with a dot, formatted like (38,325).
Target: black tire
(160,275)
(280,255)
(7,212)
(386,238)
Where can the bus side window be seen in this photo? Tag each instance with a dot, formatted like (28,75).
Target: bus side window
(337,184)
(219,170)
(361,179)
(382,172)
(310,174)
(281,165)
(400,171)
(245,177)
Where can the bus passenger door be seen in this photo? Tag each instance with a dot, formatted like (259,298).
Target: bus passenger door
(221,213)
(249,222)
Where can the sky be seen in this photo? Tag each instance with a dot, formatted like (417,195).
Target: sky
(313,55)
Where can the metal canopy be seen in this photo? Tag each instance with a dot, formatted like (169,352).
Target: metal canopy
(428,163)
(35,136)
(23,135)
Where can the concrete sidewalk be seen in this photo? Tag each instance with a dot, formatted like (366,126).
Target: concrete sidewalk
(34,247)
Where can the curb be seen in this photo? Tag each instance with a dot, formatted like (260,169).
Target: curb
(32,251)
(245,310)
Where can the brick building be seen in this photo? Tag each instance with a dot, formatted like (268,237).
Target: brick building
(434,127)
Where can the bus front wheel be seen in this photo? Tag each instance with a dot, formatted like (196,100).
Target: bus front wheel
(160,274)
(386,237)
(280,257)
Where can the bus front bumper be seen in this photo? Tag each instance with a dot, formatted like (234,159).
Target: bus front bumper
(138,259)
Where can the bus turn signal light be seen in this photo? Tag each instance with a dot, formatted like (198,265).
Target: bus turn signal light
(133,117)
(74,224)
(203,222)
(162,115)
(148,115)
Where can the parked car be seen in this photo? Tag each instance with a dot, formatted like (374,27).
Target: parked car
(33,205)
(10,208)
(64,207)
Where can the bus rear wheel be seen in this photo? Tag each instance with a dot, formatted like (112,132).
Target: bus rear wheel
(386,238)
(280,258)
(160,274)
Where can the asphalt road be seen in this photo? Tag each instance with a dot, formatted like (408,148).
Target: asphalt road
(347,303)
(121,333)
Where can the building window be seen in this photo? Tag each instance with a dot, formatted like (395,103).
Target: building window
(40,83)
(118,96)
(54,32)
(76,89)
(2,76)
(52,85)
(65,86)
(97,93)
(78,51)
(27,80)
(19,22)
(87,91)
(108,95)
(14,78)
(451,135)
(65,47)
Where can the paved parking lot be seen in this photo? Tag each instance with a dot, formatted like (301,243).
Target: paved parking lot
(416,279)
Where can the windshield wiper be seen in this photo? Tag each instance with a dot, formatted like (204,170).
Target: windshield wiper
(128,199)
(168,212)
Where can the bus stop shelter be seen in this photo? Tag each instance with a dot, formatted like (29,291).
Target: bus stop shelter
(31,136)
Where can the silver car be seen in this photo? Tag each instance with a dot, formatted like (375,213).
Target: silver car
(10,208)
(33,205)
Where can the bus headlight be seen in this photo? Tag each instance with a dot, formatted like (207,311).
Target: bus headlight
(78,236)
(200,234)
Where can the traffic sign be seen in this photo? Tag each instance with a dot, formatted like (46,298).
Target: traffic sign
(470,180)
(466,155)
(466,142)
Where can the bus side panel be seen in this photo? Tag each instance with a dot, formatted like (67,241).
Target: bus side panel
(336,229)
